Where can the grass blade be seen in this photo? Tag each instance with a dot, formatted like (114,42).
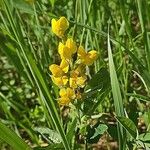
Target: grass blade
(12,138)
(116,96)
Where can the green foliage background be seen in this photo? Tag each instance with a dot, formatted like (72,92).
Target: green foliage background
(119,88)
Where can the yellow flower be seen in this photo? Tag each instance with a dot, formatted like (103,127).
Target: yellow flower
(66,50)
(71,45)
(59,71)
(66,95)
(87,58)
(60,26)
(64,101)
(77,80)
(56,70)
(67,92)
(64,65)
(60,81)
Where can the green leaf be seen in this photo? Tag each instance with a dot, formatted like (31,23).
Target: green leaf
(97,89)
(99,130)
(95,132)
(52,135)
(71,130)
(144,137)
(144,145)
(12,138)
(128,125)
(100,80)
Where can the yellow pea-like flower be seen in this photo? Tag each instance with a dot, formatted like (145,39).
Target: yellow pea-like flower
(73,83)
(59,71)
(64,65)
(60,26)
(77,80)
(66,95)
(64,101)
(60,81)
(81,52)
(66,50)
(56,70)
(71,45)
(71,93)
(87,58)
(93,55)
(67,92)
(81,81)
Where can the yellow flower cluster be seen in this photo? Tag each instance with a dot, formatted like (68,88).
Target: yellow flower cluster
(70,76)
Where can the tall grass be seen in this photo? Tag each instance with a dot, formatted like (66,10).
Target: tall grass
(27,59)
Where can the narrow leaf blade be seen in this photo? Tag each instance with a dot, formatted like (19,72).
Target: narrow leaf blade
(12,138)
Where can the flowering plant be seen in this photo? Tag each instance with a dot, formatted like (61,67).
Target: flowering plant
(70,76)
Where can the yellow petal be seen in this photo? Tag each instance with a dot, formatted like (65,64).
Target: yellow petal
(63,23)
(63,92)
(71,93)
(72,83)
(54,27)
(87,60)
(90,58)
(64,65)
(93,55)
(64,51)
(77,79)
(60,81)
(64,80)
(56,70)
(57,81)
(59,27)
(81,52)
(60,48)
(64,101)
(67,92)
(71,45)
(74,73)
(81,81)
